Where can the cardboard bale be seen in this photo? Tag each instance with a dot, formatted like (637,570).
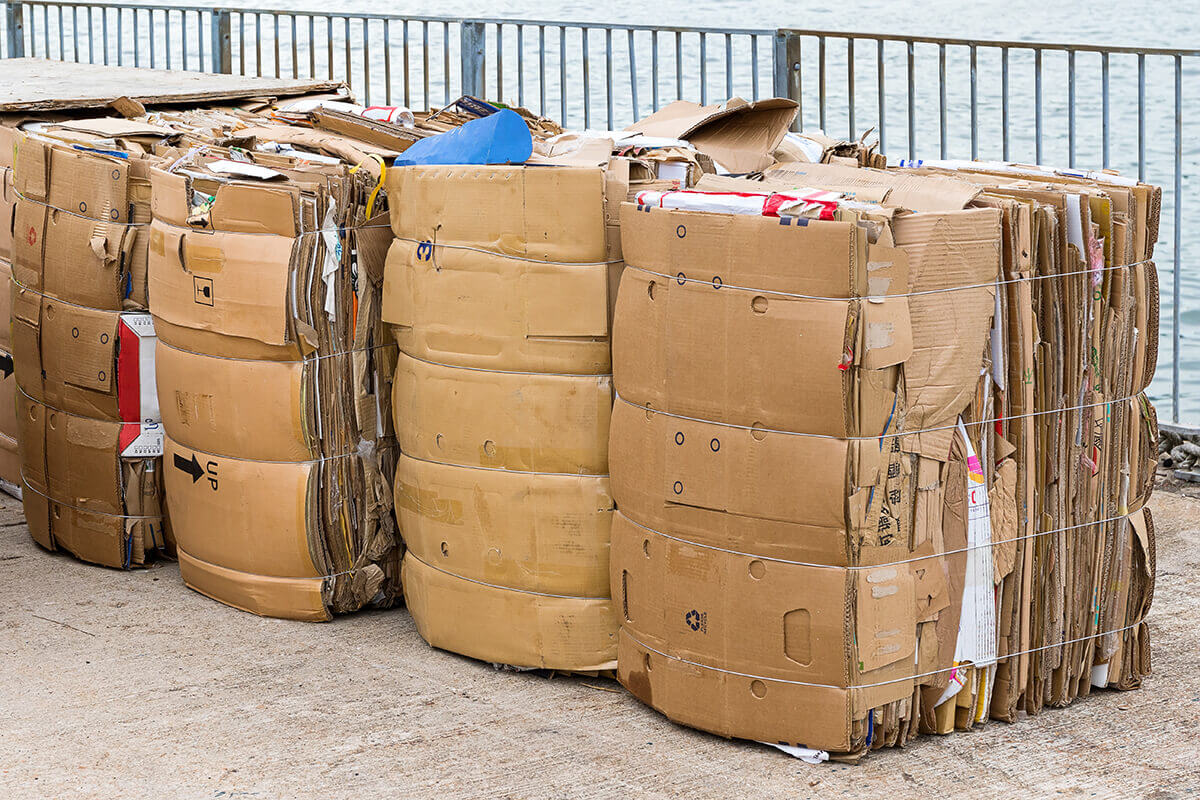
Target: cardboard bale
(275,374)
(536,423)
(1092,294)
(499,287)
(1019,440)
(83,349)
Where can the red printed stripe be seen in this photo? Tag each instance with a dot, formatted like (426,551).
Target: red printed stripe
(129,396)
(129,432)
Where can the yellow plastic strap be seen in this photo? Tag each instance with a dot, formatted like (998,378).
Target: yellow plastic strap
(378,186)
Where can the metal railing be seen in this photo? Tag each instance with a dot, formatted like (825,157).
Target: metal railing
(1039,102)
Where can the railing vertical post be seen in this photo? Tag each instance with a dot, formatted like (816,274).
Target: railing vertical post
(15,19)
(471,56)
(222,40)
(787,68)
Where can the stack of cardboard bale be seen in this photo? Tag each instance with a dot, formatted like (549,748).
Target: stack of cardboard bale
(10,458)
(274,370)
(498,288)
(83,343)
(852,506)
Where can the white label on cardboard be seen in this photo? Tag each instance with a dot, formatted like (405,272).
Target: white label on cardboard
(805,754)
(333,259)
(673,171)
(141,440)
(977,625)
(1075,225)
(814,151)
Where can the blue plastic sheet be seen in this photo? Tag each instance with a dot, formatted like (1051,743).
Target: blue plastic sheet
(500,138)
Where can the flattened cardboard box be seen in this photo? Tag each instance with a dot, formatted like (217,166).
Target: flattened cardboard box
(769,626)
(114,515)
(223,291)
(739,136)
(10,456)
(779,358)
(235,545)
(8,197)
(478,309)
(504,626)
(517,421)
(85,361)
(548,214)
(6,295)
(803,498)
(535,533)
(208,404)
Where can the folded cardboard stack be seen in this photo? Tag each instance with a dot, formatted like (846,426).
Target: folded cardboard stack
(274,369)
(83,344)
(869,480)
(498,290)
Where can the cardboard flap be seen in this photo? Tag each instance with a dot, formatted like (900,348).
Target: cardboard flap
(80,344)
(94,186)
(885,616)
(226,283)
(168,197)
(254,209)
(739,136)
(696,465)
(31,173)
(887,333)
(550,302)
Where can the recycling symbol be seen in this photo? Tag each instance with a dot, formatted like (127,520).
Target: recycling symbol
(693,619)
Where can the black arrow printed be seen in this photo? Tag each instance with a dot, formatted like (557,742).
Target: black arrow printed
(192,467)
(6,365)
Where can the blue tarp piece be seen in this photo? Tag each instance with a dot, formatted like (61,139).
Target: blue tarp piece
(500,138)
